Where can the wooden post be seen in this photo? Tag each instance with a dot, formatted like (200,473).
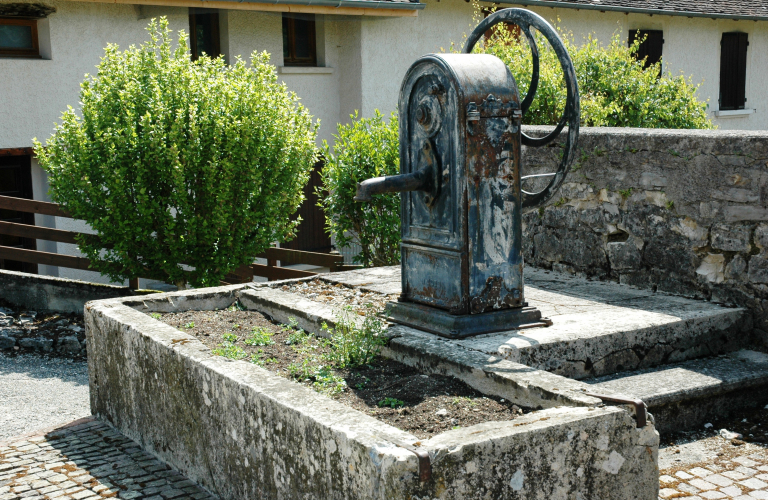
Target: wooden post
(133,283)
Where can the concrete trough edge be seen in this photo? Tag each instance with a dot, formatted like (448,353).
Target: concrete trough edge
(206,416)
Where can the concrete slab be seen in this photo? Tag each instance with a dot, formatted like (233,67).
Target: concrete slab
(598,327)
(688,394)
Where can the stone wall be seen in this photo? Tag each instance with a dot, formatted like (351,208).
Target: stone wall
(678,211)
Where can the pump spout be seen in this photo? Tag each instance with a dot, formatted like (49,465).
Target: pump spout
(420,180)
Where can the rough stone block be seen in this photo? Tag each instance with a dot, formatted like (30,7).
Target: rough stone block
(731,238)
(37,344)
(712,268)
(738,195)
(736,269)
(68,345)
(736,213)
(623,255)
(758,268)
(7,342)
(761,236)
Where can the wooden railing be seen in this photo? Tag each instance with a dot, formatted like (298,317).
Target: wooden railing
(271,270)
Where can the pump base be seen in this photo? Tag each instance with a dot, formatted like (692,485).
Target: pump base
(452,326)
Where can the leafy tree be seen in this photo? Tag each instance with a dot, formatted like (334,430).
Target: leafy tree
(365,148)
(174,161)
(616,90)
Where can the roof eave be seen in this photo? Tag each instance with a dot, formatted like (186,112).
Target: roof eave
(630,10)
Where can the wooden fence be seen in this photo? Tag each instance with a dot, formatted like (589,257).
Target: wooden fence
(271,270)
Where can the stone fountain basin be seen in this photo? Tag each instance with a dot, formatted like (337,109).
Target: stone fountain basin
(243,432)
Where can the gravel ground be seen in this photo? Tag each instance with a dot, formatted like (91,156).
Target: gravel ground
(38,392)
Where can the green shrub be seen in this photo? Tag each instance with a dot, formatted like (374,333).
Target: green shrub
(173,161)
(367,147)
(616,91)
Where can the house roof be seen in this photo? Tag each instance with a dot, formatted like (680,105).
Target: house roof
(716,9)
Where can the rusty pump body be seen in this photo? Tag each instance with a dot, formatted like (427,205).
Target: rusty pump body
(462,200)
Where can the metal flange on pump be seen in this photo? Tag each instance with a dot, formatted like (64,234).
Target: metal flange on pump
(461,184)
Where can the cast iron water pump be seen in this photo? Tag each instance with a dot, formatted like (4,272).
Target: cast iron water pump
(462,196)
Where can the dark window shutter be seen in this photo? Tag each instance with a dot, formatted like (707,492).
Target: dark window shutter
(733,70)
(651,47)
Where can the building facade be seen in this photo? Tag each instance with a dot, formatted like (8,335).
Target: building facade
(340,57)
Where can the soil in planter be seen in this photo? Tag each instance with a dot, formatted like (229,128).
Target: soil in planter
(424,405)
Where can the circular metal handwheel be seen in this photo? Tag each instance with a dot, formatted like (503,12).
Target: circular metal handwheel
(526,20)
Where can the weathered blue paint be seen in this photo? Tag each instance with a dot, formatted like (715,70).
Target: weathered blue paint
(460,140)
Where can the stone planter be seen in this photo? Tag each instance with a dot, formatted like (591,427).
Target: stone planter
(243,432)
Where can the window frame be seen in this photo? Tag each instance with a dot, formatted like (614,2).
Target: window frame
(291,59)
(216,32)
(733,74)
(34,52)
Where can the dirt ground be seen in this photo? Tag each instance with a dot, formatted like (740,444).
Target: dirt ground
(424,405)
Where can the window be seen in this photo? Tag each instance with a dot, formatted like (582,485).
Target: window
(650,47)
(16,181)
(299,40)
(733,71)
(18,37)
(204,33)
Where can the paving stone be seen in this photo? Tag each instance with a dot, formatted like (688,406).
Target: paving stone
(683,475)
(746,461)
(732,491)
(735,475)
(87,462)
(719,480)
(702,485)
(747,471)
(712,495)
(759,495)
(754,484)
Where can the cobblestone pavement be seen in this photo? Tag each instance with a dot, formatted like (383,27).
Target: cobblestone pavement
(87,460)
(739,473)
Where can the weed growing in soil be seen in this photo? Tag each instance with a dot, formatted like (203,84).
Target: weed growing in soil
(260,336)
(391,402)
(352,346)
(156,315)
(230,337)
(190,325)
(297,338)
(230,350)
(237,306)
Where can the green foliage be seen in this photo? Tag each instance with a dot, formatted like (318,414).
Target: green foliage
(353,346)
(670,205)
(626,193)
(230,337)
(322,377)
(189,325)
(615,89)
(176,161)
(260,336)
(297,337)
(365,148)
(156,315)
(230,350)
(391,402)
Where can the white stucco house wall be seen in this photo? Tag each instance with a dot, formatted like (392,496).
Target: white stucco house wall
(362,51)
